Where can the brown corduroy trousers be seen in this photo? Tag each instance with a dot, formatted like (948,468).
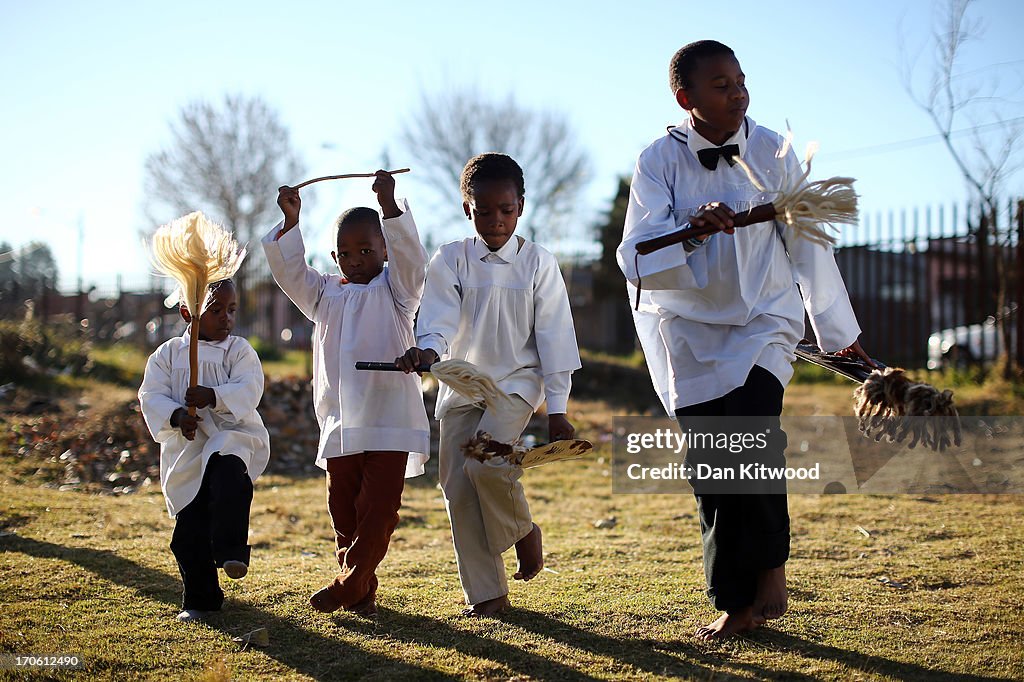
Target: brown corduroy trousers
(364,494)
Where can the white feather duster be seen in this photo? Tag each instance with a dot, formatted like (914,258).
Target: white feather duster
(467,380)
(196,252)
(808,207)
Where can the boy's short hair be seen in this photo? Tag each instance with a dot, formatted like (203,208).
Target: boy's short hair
(684,61)
(359,215)
(491,167)
(212,288)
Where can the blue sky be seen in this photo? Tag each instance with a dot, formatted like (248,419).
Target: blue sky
(90,90)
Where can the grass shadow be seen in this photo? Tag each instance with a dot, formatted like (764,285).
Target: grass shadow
(649,655)
(869,664)
(298,648)
(641,655)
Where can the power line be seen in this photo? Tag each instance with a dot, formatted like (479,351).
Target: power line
(915,142)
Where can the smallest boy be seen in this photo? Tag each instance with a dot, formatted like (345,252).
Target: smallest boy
(208,462)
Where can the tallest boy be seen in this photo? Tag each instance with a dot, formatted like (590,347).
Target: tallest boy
(719,318)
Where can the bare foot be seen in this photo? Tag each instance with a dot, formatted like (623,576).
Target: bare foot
(729,624)
(235,570)
(530,552)
(325,602)
(487,609)
(771,600)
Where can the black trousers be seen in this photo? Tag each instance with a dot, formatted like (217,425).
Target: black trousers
(746,533)
(211,529)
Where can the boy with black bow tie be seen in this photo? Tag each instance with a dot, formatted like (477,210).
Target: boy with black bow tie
(719,317)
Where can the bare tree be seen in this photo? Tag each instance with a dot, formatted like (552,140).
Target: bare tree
(451,127)
(226,159)
(953,97)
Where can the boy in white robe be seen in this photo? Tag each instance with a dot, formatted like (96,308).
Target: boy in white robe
(719,318)
(373,426)
(208,462)
(498,301)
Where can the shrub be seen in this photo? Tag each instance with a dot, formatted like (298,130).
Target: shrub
(268,352)
(30,349)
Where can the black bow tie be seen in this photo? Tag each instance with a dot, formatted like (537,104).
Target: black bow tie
(709,157)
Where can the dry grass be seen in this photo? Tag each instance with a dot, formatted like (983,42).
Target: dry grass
(882,587)
(935,589)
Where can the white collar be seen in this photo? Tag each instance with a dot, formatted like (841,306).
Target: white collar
(506,253)
(685,132)
(223,344)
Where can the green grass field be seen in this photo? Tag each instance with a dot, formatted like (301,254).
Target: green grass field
(881,587)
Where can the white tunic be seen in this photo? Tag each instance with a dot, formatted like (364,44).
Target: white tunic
(507,312)
(232,427)
(708,316)
(361,410)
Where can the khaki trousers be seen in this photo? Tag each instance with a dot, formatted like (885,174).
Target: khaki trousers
(485,501)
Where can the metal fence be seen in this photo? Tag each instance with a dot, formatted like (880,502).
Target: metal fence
(930,287)
(939,285)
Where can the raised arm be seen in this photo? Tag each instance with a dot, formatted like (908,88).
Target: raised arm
(407,259)
(286,255)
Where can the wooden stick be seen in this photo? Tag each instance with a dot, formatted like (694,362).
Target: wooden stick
(193,359)
(758,214)
(347,175)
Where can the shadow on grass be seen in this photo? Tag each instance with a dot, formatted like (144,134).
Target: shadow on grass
(322,657)
(855,660)
(639,654)
(300,649)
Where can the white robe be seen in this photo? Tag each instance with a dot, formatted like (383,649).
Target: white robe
(708,316)
(232,427)
(507,312)
(361,410)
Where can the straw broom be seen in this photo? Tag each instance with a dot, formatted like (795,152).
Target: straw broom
(195,252)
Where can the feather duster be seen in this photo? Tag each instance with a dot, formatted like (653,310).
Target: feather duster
(195,252)
(468,381)
(807,207)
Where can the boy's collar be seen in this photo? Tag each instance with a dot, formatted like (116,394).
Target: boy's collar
(216,344)
(685,133)
(507,252)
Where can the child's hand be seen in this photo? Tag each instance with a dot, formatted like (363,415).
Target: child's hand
(200,397)
(715,214)
(559,428)
(415,358)
(384,188)
(854,350)
(290,203)
(181,419)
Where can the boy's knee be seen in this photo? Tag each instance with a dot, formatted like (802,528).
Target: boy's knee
(495,470)
(459,491)
(476,470)
(227,465)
